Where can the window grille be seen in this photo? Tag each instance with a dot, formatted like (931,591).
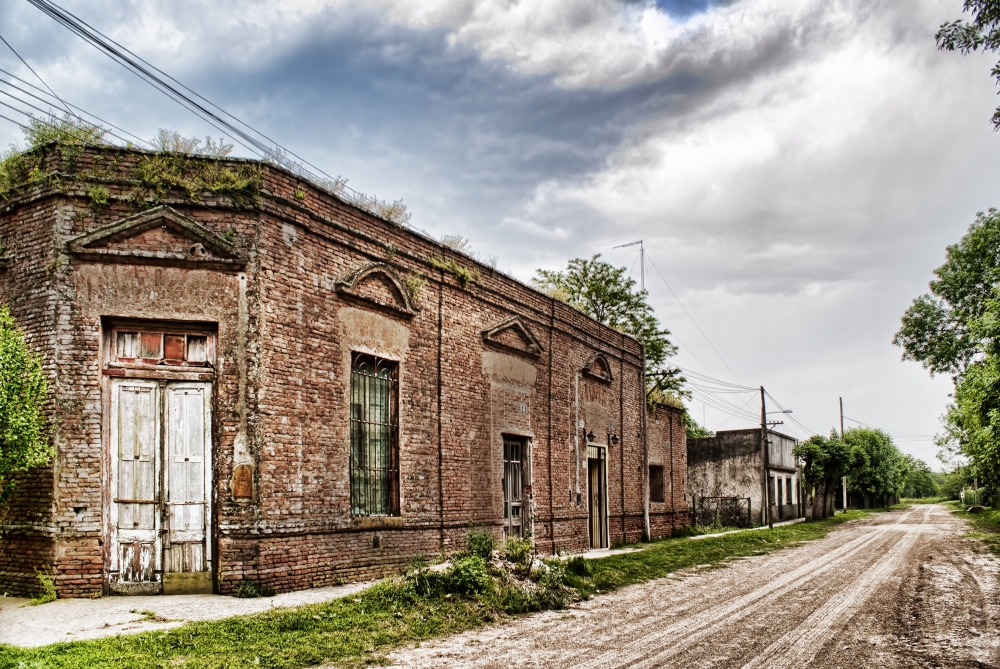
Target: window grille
(374,437)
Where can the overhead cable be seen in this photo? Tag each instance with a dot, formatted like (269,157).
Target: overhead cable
(237,130)
(37,76)
(69,104)
(694,321)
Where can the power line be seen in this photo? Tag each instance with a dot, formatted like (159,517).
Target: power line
(718,380)
(900,436)
(7,118)
(160,80)
(749,399)
(70,104)
(694,321)
(49,112)
(14,51)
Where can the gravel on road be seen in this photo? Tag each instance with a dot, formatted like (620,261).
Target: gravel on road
(899,589)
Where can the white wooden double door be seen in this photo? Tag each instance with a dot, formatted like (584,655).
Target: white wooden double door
(161,476)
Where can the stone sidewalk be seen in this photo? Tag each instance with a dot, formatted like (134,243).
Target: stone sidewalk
(76,619)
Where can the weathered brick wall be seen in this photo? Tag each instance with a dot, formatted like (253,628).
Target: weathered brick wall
(26,286)
(285,339)
(668,448)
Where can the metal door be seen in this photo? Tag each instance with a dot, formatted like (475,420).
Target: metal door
(597,484)
(513,487)
(187,563)
(135,515)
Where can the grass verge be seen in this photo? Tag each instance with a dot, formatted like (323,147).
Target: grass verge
(923,500)
(985,525)
(359,630)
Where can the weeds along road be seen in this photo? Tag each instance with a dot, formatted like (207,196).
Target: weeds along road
(899,589)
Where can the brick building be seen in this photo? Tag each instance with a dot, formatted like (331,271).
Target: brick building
(252,378)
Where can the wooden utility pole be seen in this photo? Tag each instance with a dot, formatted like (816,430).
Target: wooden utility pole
(844,480)
(765,510)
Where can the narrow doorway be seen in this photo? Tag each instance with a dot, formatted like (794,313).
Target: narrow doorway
(513,486)
(160,482)
(598,495)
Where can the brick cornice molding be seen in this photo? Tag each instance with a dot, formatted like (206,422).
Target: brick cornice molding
(208,250)
(533,347)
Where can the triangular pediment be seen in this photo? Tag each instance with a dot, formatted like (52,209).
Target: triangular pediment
(514,336)
(160,236)
(378,285)
(599,368)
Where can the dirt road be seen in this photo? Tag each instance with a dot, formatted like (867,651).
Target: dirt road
(902,589)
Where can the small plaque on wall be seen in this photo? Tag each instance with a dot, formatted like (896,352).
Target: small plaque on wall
(243,482)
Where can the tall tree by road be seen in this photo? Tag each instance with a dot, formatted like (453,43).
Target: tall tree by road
(825,460)
(609,295)
(955,329)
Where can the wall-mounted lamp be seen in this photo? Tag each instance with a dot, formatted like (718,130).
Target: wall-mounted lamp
(614,440)
(590,437)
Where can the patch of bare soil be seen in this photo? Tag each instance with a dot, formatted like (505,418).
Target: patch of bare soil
(905,589)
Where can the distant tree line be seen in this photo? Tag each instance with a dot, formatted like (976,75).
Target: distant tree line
(878,473)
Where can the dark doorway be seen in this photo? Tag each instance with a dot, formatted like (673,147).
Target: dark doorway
(598,495)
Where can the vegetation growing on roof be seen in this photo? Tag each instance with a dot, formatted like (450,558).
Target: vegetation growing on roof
(174,166)
(464,275)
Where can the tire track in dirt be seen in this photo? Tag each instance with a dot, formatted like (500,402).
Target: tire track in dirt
(895,591)
(798,647)
(690,630)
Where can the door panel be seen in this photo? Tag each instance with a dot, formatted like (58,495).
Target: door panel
(161,478)
(596,483)
(135,448)
(513,487)
(188,478)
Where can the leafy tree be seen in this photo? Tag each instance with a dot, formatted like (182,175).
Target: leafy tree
(955,480)
(608,295)
(879,469)
(23,387)
(982,32)
(956,329)
(920,480)
(825,461)
(694,430)
(936,329)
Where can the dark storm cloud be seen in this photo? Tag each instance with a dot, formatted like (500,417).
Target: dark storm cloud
(795,168)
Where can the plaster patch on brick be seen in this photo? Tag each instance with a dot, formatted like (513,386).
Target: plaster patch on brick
(289,233)
(503,368)
(241,454)
(368,332)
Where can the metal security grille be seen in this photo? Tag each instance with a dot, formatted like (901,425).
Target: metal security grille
(374,437)
(513,486)
(722,511)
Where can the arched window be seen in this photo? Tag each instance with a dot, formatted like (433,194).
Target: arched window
(374,436)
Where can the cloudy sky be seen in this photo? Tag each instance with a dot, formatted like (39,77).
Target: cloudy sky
(794,167)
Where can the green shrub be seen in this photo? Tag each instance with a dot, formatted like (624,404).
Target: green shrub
(480,543)
(470,575)
(578,566)
(518,551)
(252,590)
(48,593)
